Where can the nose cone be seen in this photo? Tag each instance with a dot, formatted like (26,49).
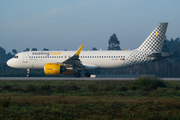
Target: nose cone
(10,63)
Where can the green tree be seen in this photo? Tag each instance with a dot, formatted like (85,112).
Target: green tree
(34,49)
(27,49)
(9,55)
(2,55)
(45,49)
(14,51)
(165,46)
(114,43)
(94,48)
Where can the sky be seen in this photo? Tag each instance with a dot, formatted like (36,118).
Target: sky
(66,24)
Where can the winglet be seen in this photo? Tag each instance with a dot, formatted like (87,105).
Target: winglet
(79,50)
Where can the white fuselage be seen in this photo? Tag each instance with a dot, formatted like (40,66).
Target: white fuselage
(91,59)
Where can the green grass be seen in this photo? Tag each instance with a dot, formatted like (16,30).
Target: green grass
(90,99)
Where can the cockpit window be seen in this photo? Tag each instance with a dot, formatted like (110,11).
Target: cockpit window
(15,56)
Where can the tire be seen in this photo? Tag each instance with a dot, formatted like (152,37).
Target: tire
(77,74)
(87,75)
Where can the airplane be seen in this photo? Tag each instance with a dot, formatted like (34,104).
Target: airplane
(73,62)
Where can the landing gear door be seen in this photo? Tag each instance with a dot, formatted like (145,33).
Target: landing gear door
(25,58)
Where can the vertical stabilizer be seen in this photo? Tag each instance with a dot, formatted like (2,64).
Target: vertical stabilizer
(154,42)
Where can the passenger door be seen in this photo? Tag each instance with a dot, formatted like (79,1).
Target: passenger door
(25,58)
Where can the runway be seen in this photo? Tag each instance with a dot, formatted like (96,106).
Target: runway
(81,78)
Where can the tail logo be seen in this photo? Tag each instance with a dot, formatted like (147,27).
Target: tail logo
(153,44)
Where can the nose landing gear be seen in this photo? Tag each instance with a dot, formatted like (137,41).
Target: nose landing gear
(28,73)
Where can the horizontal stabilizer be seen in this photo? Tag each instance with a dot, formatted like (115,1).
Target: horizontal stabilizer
(158,56)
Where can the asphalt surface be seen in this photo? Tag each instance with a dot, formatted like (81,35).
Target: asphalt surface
(73,78)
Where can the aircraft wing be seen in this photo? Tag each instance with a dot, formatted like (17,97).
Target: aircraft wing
(74,60)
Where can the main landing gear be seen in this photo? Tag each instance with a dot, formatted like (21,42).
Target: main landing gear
(87,74)
(78,74)
(28,73)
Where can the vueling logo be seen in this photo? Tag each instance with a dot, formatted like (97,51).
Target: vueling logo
(55,53)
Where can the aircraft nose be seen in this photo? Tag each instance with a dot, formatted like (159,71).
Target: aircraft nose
(10,63)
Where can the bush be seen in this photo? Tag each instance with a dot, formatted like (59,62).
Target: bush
(92,88)
(18,89)
(1,90)
(177,88)
(145,81)
(31,88)
(132,87)
(5,103)
(61,89)
(74,87)
(123,88)
(109,88)
(46,89)
(7,87)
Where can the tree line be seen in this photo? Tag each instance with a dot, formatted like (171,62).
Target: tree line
(169,67)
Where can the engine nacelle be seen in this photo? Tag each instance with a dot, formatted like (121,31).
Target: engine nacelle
(54,69)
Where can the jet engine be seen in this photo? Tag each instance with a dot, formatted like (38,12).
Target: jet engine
(54,69)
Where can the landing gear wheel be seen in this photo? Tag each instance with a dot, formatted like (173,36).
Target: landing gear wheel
(28,73)
(87,74)
(77,74)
